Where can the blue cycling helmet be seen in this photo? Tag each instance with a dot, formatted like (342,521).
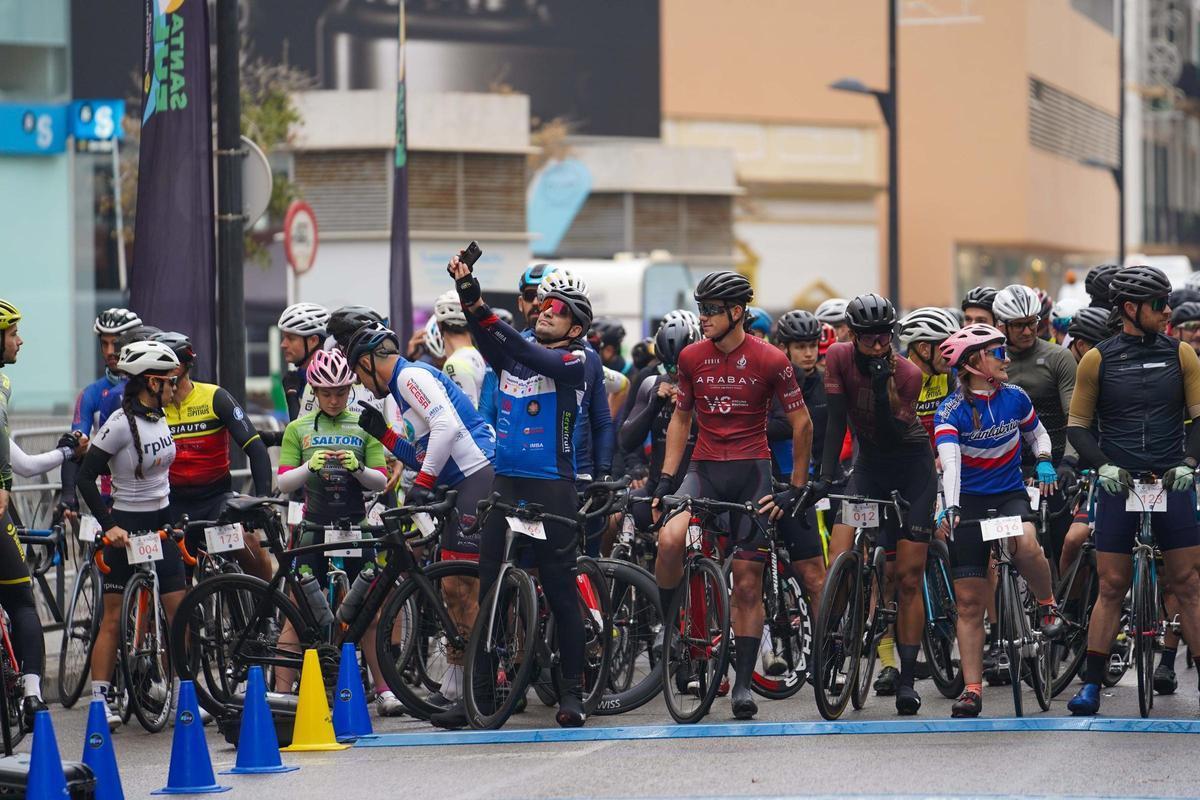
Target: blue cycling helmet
(533,275)
(758,321)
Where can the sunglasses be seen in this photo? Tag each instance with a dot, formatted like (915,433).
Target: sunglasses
(1157,304)
(1030,324)
(173,380)
(874,339)
(1190,327)
(555,306)
(711,309)
(1000,353)
(529,295)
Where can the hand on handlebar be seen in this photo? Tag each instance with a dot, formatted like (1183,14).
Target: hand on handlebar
(117,536)
(786,502)
(1047,478)
(664,487)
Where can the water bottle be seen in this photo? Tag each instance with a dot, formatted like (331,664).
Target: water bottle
(353,600)
(627,530)
(318,603)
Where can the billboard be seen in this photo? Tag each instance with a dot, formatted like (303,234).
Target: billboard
(593,63)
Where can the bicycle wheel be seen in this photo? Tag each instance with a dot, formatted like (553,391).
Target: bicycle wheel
(1145,629)
(941,623)
(595,610)
(1077,592)
(1037,659)
(211,620)
(412,644)
(143,654)
(1120,656)
(789,635)
(13,693)
(80,625)
(635,672)
(1009,609)
(838,636)
(696,641)
(501,651)
(874,627)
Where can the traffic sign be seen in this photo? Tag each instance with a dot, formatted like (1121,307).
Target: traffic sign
(256,183)
(300,236)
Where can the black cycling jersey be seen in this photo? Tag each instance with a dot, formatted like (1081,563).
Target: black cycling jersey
(651,416)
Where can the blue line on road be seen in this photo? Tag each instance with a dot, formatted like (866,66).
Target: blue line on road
(1084,724)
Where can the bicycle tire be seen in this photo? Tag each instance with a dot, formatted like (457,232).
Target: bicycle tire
(1145,629)
(1007,609)
(837,636)
(409,606)
(1037,666)
(140,653)
(215,670)
(514,601)
(13,696)
(635,671)
(1124,644)
(793,625)
(81,623)
(940,633)
(597,642)
(1077,596)
(873,629)
(702,600)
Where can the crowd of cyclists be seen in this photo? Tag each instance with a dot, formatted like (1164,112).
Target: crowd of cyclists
(963,413)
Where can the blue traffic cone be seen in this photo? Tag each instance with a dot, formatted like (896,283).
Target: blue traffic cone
(258,744)
(98,753)
(191,768)
(350,717)
(47,781)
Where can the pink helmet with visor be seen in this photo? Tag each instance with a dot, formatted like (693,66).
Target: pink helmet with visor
(328,369)
(962,343)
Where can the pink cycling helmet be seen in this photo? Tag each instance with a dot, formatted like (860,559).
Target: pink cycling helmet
(966,341)
(328,370)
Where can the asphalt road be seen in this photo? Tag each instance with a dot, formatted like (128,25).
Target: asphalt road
(1056,763)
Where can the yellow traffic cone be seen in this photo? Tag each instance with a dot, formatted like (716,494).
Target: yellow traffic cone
(314,722)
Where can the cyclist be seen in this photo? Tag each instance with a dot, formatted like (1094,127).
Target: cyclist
(833,312)
(1096,284)
(529,306)
(302,329)
(758,323)
(463,363)
(328,455)
(108,327)
(1046,306)
(1185,324)
(1139,386)
(977,306)
(540,382)
(16,586)
(605,337)
(136,447)
(726,383)
(434,416)
(921,333)
(203,417)
(873,390)
(345,320)
(1061,314)
(979,428)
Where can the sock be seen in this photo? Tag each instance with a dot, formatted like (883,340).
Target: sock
(100,690)
(1095,666)
(977,688)
(665,596)
(887,652)
(33,686)
(908,663)
(1168,659)
(747,652)
(452,682)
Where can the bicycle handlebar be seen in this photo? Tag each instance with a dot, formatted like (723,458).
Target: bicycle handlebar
(176,536)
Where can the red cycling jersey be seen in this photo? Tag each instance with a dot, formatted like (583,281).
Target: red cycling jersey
(842,376)
(731,395)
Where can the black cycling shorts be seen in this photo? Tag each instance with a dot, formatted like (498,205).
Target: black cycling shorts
(169,569)
(197,509)
(13,569)
(456,544)
(969,553)
(801,535)
(913,476)
(1175,528)
(734,482)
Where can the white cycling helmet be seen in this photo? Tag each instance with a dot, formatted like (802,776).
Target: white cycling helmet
(115,320)
(929,324)
(559,280)
(433,339)
(138,358)
(1016,302)
(447,309)
(688,318)
(1064,310)
(832,311)
(304,319)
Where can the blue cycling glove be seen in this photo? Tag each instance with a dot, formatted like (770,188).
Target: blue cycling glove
(1046,472)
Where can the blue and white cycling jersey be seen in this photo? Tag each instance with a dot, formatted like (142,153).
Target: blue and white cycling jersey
(97,402)
(444,437)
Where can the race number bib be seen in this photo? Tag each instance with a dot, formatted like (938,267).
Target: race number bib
(823,504)
(223,538)
(1001,528)
(295,513)
(335,536)
(862,515)
(89,529)
(1035,496)
(1146,497)
(145,549)
(426,525)
(527,527)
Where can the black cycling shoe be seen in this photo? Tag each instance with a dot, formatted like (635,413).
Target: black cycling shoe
(452,718)
(922,671)
(887,681)
(992,672)
(1051,623)
(743,703)
(908,701)
(440,700)
(570,707)
(29,708)
(1165,681)
(968,704)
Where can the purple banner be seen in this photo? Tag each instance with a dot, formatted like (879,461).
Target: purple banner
(400,306)
(172,280)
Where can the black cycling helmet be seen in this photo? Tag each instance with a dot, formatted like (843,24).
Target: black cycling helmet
(797,326)
(141,333)
(1138,284)
(870,312)
(1185,295)
(673,335)
(343,322)
(1091,325)
(1097,281)
(642,353)
(367,339)
(115,321)
(980,297)
(578,303)
(180,344)
(1185,312)
(732,287)
(607,330)
(533,275)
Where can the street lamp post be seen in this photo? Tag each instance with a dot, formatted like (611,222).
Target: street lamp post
(1118,176)
(888,105)
(1117,170)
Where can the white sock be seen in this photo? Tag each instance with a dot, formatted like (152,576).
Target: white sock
(100,690)
(33,686)
(452,682)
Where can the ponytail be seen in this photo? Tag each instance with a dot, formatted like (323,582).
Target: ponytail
(135,385)
(964,391)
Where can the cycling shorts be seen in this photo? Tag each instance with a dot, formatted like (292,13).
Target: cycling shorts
(745,481)
(801,535)
(170,568)
(13,569)
(913,476)
(456,544)
(198,508)
(1175,528)
(969,553)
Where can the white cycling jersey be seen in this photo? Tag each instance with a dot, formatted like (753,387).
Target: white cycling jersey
(152,490)
(467,368)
